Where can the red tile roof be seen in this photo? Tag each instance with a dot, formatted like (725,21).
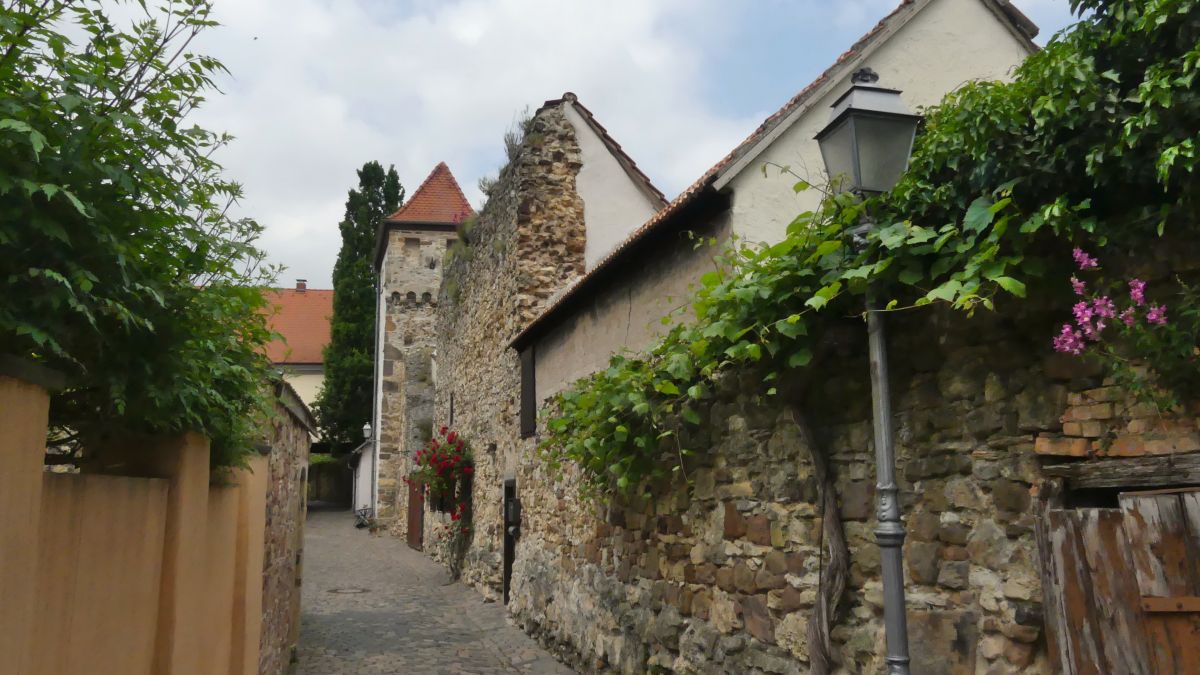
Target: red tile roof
(438,200)
(302,318)
(1024,29)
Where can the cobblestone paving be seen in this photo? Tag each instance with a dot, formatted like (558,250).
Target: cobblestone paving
(408,620)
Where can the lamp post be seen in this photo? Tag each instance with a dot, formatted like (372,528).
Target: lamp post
(366,431)
(866,146)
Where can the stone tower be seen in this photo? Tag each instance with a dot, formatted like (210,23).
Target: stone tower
(409,255)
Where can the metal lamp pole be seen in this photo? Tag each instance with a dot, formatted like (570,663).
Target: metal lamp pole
(889,532)
(866,147)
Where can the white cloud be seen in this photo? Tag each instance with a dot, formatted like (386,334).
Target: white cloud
(319,87)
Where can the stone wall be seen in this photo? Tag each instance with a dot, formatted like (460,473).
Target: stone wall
(411,274)
(526,244)
(282,560)
(721,574)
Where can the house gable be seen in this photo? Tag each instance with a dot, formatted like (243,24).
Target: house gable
(617,196)
(925,49)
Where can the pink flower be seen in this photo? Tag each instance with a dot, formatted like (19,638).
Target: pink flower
(1128,316)
(1084,312)
(1104,307)
(1078,285)
(1069,340)
(1085,261)
(1157,314)
(1137,291)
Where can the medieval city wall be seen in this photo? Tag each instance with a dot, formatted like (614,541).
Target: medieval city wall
(527,243)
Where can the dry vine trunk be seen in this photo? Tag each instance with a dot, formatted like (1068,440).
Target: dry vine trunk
(833,577)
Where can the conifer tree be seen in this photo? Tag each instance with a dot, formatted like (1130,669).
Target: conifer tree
(344,403)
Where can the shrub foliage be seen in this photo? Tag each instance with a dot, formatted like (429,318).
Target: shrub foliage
(120,264)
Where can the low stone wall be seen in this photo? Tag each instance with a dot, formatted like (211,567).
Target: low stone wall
(721,574)
(283,555)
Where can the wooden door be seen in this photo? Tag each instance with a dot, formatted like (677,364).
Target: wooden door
(416,515)
(1123,585)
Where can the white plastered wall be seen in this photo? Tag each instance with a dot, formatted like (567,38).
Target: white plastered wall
(306,380)
(613,204)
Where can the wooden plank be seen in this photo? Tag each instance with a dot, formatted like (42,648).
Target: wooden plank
(1049,498)
(1080,651)
(1115,615)
(1158,536)
(1182,603)
(1149,472)
(1168,491)
(1157,533)
(1190,503)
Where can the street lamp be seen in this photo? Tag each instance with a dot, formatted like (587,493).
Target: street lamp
(367,431)
(866,146)
(869,137)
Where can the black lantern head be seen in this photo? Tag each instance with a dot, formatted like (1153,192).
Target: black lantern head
(869,138)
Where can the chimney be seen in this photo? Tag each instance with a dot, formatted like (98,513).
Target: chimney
(301,285)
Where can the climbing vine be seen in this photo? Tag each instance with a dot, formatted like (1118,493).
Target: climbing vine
(1091,143)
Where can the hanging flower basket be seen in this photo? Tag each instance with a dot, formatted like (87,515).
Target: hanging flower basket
(444,468)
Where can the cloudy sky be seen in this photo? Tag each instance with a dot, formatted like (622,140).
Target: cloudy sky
(318,87)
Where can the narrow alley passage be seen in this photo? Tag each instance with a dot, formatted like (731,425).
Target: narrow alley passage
(373,605)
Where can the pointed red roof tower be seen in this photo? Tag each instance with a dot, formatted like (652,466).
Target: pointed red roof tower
(438,205)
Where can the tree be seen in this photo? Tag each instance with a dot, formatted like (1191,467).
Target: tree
(344,403)
(120,265)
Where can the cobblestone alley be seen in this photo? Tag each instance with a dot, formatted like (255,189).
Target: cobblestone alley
(372,605)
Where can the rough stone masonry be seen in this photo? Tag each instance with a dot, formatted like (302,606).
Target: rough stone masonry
(719,573)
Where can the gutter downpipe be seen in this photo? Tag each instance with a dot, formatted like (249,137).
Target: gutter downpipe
(889,531)
(375,402)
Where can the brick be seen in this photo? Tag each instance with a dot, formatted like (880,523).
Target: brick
(1104,395)
(1093,411)
(1088,429)
(1125,446)
(1059,446)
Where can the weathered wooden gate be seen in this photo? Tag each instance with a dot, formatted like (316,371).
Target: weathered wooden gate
(1123,585)
(416,515)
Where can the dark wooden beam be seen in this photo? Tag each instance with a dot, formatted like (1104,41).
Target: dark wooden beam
(1152,471)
